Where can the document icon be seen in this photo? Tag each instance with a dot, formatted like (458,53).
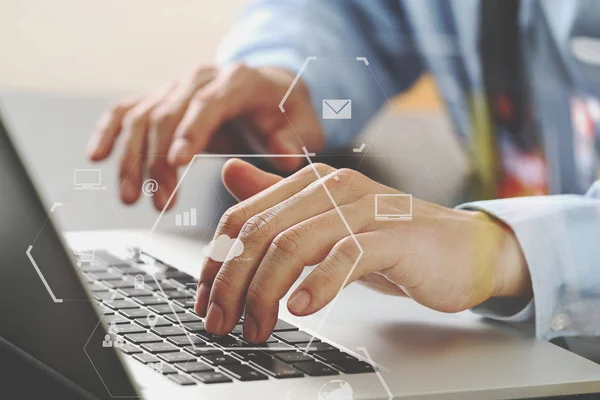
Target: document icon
(337,109)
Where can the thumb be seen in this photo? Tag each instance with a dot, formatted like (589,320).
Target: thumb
(244,180)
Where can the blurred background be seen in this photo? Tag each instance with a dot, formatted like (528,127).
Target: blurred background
(65,61)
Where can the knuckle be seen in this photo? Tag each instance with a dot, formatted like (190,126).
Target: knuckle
(258,295)
(328,276)
(232,220)
(201,69)
(286,243)
(162,118)
(257,229)
(347,174)
(118,108)
(345,251)
(224,283)
(133,121)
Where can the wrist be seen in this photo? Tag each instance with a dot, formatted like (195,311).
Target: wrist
(511,276)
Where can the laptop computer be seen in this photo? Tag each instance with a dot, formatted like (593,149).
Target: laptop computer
(87,321)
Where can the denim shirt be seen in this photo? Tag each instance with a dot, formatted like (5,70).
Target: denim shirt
(397,40)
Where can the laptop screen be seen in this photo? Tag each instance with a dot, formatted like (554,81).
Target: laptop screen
(45,311)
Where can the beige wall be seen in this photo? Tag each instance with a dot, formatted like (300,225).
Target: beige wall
(107,46)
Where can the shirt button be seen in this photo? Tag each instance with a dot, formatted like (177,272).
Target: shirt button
(560,322)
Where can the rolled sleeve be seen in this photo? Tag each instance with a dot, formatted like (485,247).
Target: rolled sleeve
(560,239)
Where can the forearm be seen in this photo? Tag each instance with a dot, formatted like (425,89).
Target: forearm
(284,33)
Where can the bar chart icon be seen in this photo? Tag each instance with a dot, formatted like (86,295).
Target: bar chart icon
(187,218)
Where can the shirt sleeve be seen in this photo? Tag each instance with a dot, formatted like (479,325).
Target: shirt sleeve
(560,239)
(284,33)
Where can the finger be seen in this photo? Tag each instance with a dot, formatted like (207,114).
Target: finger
(382,284)
(232,221)
(234,276)
(286,141)
(229,95)
(164,120)
(135,129)
(306,243)
(108,128)
(341,267)
(243,180)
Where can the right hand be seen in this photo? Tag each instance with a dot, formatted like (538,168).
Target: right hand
(163,130)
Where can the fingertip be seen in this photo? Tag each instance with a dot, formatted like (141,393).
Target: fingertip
(299,302)
(180,152)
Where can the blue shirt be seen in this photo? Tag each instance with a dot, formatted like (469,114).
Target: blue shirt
(397,41)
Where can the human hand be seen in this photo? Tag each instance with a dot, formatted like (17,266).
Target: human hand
(448,260)
(183,118)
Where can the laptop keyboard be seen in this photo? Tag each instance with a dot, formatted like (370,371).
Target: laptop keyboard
(174,343)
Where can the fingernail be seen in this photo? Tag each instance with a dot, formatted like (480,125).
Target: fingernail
(203,294)
(178,150)
(250,327)
(214,318)
(129,191)
(299,301)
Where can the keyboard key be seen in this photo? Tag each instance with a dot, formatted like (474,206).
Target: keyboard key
(150,301)
(159,347)
(163,285)
(275,347)
(238,330)
(143,338)
(202,350)
(165,308)
(320,347)
(349,367)
(135,312)
(178,357)
(109,259)
(159,322)
(276,368)
(185,317)
(93,268)
(196,327)
(123,283)
(314,368)
(130,328)
(163,368)
(228,341)
(128,348)
(293,357)
(194,366)
(184,340)
(132,292)
(249,355)
(146,358)
(120,304)
(219,359)
(116,318)
(283,326)
(330,357)
(106,276)
(97,287)
(243,372)
(173,294)
(211,377)
(106,311)
(168,331)
(181,379)
(185,304)
(294,337)
(107,296)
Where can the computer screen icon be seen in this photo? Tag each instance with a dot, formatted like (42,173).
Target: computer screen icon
(393,207)
(87,179)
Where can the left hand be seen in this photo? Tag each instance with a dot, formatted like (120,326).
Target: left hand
(448,260)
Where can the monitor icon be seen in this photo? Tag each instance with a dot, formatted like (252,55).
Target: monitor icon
(393,207)
(87,179)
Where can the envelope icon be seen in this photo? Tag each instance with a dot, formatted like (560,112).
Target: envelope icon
(337,109)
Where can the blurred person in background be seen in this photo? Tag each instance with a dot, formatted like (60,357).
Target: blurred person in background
(521,81)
